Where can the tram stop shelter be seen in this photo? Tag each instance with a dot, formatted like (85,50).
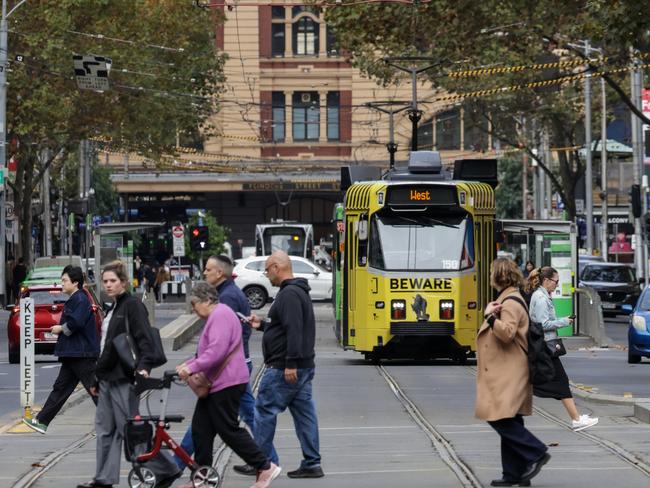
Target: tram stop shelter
(109,246)
(546,243)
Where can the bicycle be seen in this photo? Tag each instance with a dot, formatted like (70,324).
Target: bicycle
(142,442)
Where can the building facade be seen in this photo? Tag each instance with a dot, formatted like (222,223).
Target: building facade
(294,110)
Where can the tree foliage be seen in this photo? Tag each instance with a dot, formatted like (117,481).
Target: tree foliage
(164,76)
(464,34)
(509,192)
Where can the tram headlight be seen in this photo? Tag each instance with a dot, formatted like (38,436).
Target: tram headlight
(446,309)
(398,309)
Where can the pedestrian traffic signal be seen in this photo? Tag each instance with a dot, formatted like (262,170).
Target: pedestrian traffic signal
(199,238)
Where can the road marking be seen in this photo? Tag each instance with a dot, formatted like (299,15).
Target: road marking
(51,366)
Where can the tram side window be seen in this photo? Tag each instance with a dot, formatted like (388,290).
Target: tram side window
(362,253)
(376,252)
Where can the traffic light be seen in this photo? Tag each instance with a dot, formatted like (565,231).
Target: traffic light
(199,236)
(646,224)
(635,200)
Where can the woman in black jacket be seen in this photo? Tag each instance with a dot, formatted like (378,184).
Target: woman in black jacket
(117,398)
(77,348)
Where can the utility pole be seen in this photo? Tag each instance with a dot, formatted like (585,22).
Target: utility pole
(391,146)
(604,219)
(414,113)
(637,152)
(524,186)
(4,47)
(47,211)
(589,179)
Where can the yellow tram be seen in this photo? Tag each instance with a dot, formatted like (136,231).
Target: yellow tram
(413,256)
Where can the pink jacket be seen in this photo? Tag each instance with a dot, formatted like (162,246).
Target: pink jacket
(221,334)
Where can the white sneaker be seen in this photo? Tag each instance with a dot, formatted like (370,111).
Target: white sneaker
(265,477)
(584,422)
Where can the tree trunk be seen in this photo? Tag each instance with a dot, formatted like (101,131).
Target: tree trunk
(26,240)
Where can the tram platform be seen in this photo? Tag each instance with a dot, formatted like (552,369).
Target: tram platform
(402,424)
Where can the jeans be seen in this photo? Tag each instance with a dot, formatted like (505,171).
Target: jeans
(247,403)
(246,412)
(273,397)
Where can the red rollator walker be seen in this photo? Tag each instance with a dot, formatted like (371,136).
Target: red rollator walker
(144,436)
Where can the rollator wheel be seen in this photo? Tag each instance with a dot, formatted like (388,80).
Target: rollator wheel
(205,477)
(148,479)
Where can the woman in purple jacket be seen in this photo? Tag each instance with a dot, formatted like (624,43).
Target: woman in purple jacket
(220,346)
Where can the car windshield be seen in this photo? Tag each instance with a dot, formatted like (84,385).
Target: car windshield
(421,242)
(48,297)
(608,274)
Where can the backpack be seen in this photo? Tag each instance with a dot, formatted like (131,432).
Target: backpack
(540,362)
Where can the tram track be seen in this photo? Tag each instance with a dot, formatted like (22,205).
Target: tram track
(442,446)
(618,451)
(221,457)
(610,446)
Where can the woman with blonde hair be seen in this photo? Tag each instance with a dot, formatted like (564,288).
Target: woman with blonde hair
(503,391)
(542,282)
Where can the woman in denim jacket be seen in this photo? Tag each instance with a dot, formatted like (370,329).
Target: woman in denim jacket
(543,282)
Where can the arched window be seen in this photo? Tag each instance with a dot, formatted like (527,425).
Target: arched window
(305,37)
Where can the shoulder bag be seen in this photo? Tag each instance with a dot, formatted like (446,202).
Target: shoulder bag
(201,384)
(556,347)
(125,347)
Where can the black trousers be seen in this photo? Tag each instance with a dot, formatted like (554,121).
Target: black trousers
(73,370)
(218,414)
(519,447)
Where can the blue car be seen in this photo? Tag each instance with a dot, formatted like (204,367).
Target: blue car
(638,335)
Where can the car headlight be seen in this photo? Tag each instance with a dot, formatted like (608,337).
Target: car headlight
(639,323)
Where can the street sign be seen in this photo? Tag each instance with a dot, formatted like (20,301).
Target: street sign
(178,234)
(91,72)
(27,373)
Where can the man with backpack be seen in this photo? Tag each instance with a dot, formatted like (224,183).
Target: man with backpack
(503,390)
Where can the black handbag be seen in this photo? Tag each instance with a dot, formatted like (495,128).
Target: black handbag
(556,347)
(126,349)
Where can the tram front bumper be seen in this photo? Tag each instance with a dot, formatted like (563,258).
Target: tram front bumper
(422,328)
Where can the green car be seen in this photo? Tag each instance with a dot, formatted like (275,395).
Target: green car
(44,276)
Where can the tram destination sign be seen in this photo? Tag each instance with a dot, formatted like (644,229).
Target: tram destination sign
(422,195)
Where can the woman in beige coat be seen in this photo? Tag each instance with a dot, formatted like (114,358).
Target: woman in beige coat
(503,390)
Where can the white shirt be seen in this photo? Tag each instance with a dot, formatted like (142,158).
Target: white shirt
(105,323)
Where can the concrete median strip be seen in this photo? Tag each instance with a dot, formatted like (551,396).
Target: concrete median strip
(180,331)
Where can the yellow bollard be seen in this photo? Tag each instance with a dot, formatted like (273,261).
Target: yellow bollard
(28,412)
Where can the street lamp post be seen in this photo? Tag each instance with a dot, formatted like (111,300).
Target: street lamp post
(3,139)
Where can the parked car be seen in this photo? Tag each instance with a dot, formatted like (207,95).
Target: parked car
(585,259)
(44,275)
(48,307)
(616,284)
(638,334)
(258,289)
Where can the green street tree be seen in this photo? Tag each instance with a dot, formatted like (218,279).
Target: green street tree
(165,75)
(218,234)
(466,35)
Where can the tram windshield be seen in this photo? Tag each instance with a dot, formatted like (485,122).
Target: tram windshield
(288,239)
(420,242)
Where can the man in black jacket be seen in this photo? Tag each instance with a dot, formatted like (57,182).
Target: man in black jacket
(77,348)
(288,348)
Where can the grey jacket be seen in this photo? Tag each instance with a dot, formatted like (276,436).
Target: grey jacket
(542,311)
